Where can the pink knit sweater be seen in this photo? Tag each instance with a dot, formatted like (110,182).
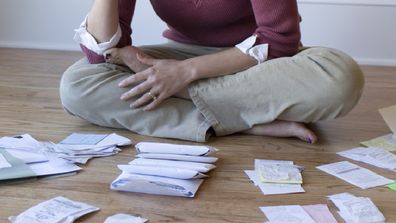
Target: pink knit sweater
(220,23)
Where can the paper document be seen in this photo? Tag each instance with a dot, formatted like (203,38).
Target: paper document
(354,174)
(18,168)
(156,185)
(124,218)
(273,188)
(357,209)
(83,139)
(375,156)
(150,147)
(22,142)
(56,210)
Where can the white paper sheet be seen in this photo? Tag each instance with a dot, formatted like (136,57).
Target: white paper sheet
(200,167)
(56,210)
(23,142)
(287,214)
(354,174)
(273,188)
(357,209)
(55,165)
(156,185)
(124,218)
(171,172)
(150,147)
(200,159)
(28,157)
(375,156)
(3,162)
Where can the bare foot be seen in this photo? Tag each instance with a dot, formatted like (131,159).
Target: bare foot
(279,128)
(125,56)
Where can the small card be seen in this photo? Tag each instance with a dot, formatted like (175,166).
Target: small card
(354,174)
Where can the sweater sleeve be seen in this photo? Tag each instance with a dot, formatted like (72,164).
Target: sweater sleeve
(126,10)
(278,26)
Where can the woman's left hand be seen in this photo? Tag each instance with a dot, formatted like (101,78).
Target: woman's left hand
(160,81)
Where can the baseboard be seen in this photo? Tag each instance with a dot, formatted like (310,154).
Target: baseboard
(376,62)
(42,46)
(350,2)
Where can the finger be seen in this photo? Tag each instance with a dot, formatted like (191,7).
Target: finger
(154,103)
(144,99)
(145,59)
(111,55)
(141,76)
(137,90)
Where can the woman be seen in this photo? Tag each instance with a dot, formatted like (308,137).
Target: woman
(229,66)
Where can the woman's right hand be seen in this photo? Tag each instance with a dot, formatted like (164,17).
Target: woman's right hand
(126,56)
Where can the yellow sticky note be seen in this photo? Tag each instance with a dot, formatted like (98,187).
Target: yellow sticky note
(383,142)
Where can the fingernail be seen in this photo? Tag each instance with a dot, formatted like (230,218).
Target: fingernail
(121,84)
(309,140)
(132,105)
(107,56)
(122,97)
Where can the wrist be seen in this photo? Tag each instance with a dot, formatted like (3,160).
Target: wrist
(191,70)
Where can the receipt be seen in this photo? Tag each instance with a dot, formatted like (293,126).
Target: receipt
(375,156)
(56,210)
(278,171)
(354,174)
(357,209)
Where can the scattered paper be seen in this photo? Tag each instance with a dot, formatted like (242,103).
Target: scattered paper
(3,162)
(79,148)
(125,218)
(150,147)
(387,142)
(276,176)
(375,156)
(357,209)
(354,174)
(273,188)
(56,210)
(287,214)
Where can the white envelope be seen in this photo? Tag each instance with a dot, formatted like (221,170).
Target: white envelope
(28,157)
(171,172)
(200,167)
(150,147)
(156,185)
(200,159)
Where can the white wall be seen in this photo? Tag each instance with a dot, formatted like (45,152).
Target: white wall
(363,28)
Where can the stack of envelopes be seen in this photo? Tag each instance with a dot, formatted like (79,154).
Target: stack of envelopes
(166,169)
(276,176)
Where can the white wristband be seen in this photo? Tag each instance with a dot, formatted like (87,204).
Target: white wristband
(258,52)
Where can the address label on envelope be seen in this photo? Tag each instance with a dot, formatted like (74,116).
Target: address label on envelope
(156,185)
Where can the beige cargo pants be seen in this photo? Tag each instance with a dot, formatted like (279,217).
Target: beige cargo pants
(316,84)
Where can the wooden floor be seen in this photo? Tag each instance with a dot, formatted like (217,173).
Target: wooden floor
(29,103)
